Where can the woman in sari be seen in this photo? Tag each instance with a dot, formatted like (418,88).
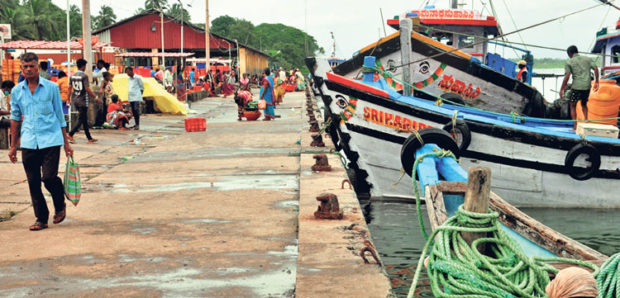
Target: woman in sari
(228,88)
(301,83)
(244,83)
(267,94)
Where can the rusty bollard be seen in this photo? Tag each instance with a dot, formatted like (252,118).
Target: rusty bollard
(321,163)
(369,248)
(329,208)
(317,141)
(314,126)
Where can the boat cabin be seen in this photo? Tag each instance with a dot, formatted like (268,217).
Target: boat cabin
(466,30)
(463,29)
(608,44)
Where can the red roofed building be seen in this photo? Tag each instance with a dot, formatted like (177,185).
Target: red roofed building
(142,33)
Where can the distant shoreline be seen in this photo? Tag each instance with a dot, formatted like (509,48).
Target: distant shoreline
(549,63)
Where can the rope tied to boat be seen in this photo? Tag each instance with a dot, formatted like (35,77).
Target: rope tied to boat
(454,118)
(608,280)
(458,268)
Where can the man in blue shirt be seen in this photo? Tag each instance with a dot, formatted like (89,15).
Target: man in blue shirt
(136,87)
(192,77)
(36,113)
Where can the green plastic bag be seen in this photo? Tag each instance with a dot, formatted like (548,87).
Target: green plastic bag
(72,182)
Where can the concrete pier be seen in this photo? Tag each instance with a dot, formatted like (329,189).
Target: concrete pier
(226,212)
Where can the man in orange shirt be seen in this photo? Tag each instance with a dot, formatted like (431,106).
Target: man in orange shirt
(63,86)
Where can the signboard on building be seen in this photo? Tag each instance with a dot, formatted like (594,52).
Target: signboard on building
(5,31)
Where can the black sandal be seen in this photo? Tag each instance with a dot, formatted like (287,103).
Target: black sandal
(60,216)
(37,226)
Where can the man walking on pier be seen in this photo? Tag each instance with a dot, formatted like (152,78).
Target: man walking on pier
(42,132)
(579,67)
(79,88)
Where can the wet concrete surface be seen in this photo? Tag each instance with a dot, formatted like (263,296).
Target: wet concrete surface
(165,213)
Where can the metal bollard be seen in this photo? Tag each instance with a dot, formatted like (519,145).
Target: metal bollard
(329,207)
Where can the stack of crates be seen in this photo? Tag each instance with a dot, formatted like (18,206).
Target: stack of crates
(11,69)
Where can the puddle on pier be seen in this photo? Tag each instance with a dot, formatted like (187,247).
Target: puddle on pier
(224,183)
(204,220)
(187,281)
(208,153)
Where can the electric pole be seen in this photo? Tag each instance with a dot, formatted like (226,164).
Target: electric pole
(207,42)
(87,50)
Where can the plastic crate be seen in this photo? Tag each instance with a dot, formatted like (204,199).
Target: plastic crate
(195,124)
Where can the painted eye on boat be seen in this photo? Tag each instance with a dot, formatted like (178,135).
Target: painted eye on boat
(341,101)
(391,65)
(424,66)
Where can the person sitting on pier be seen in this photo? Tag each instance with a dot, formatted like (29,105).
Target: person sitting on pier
(5,103)
(117,116)
(579,67)
(523,73)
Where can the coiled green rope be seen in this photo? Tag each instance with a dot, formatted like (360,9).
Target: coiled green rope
(456,268)
(608,280)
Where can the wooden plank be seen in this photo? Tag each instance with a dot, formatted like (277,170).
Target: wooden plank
(542,235)
(435,206)
(452,187)
(477,197)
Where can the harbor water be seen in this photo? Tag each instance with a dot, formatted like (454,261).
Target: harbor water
(396,234)
(549,87)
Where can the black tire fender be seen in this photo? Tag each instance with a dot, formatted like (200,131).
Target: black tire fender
(453,97)
(462,129)
(430,136)
(579,173)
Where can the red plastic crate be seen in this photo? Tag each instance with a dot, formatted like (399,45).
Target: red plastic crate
(195,124)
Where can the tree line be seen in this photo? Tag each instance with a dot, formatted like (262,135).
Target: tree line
(287,45)
(43,20)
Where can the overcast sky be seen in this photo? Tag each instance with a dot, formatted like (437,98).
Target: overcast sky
(356,23)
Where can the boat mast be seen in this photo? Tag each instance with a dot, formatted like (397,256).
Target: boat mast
(333,44)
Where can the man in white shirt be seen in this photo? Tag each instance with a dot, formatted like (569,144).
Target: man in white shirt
(136,87)
(98,75)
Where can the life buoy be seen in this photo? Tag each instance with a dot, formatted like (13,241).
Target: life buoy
(429,136)
(460,133)
(579,173)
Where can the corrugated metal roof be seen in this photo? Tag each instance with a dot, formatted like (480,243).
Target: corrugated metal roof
(48,45)
(150,54)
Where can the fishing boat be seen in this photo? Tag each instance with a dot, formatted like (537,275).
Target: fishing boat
(537,162)
(445,196)
(449,57)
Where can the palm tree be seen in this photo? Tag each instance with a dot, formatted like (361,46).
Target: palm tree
(105,18)
(75,20)
(178,12)
(12,13)
(43,18)
(156,4)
